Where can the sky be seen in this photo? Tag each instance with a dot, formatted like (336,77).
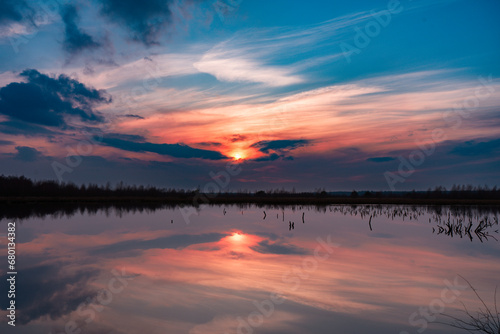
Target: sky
(236,94)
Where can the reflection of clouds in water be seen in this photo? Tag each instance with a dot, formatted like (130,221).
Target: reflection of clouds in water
(179,241)
(289,317)
(381,235)
(201,278)
(265,247)
(49,290)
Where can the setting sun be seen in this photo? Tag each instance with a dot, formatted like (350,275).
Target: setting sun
(237,237)
(238,156)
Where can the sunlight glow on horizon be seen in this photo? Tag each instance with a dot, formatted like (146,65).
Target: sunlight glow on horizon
(237,237)
(279,95)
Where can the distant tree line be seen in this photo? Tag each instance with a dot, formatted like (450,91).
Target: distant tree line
(20,186)
(439,192)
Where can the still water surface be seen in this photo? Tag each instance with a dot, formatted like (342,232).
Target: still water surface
(334,269)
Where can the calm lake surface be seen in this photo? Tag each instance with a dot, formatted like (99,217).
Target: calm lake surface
(227,269)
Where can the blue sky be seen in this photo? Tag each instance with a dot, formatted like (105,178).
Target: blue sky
(177,89)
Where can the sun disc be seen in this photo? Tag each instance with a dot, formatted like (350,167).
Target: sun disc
(237,237)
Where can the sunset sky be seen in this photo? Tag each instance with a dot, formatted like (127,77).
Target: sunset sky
(340,95)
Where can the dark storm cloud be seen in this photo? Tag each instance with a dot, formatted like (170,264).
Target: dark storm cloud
(209,143)
(26,153)
(22,128)
(75,40)
(50,100)
(279,145)
(173,150)
(237,138)
(265,247)
(133,116)
(173,242)
(47,291)
(475,148)
(12,11)
(69,88)
(270,157)
(145,19)
(123,136)
(380,159)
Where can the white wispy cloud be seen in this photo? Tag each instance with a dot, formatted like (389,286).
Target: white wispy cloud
(268,55)
(146,71)
(240,69)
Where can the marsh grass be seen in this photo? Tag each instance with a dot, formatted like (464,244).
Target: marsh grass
(484,320)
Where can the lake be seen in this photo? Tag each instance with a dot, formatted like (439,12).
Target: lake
(248,269)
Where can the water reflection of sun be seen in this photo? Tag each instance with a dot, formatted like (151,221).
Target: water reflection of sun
(239,241)
(237,237)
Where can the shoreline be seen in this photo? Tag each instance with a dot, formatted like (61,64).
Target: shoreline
(201,199)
